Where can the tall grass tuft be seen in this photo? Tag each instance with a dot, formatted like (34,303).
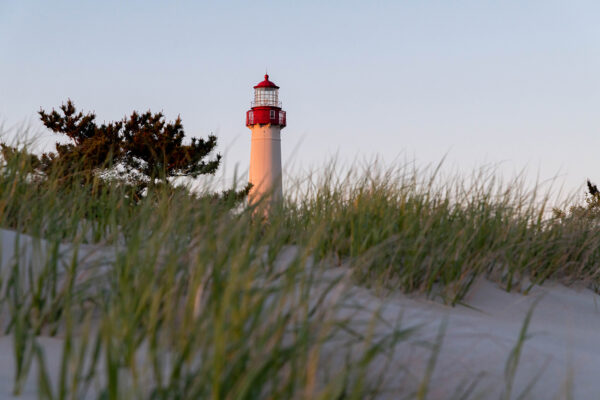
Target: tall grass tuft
(409,229)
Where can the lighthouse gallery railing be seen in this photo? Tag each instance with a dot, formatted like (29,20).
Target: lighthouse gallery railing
(265,103)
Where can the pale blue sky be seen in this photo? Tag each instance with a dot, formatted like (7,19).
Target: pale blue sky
(514,82)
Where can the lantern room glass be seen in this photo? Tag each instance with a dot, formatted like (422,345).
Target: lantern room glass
(266,97)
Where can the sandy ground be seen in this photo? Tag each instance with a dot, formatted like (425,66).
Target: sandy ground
(560,357)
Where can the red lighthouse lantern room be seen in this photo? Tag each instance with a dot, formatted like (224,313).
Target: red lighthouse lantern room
(266,107)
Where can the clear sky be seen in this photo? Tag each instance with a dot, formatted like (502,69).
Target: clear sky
(509,82)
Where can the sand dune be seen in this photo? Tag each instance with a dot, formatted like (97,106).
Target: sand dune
(561,353)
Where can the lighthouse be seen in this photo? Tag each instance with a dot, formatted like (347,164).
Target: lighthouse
(265,119)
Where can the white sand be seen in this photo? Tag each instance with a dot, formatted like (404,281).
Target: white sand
(479,337)
(562,342)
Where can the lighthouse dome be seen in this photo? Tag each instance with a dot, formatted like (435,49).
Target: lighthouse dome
(266,84)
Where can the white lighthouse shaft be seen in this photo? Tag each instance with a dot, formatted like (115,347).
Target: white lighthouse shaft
(265,163)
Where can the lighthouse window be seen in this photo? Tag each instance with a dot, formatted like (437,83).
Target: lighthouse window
(272,114)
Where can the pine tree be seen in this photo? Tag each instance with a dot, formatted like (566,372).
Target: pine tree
(146,146)
(144,150)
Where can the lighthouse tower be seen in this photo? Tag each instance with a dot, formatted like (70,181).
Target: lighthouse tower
(265,119)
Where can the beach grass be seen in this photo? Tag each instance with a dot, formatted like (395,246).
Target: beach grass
(182,296)
(412,230)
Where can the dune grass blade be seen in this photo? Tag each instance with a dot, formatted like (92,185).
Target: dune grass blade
(512,363)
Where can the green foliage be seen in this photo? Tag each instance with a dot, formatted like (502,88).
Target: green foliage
(137,154)
(142,150)
(590,211)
